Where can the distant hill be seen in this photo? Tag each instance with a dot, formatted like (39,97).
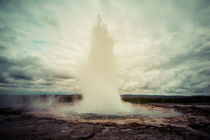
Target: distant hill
(126,97)
(164,99)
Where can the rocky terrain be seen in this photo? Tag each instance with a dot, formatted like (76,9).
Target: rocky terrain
(193,123)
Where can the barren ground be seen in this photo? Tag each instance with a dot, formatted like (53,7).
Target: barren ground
(193,123)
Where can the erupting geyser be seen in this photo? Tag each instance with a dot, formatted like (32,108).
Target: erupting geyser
(99,76)
(99,81)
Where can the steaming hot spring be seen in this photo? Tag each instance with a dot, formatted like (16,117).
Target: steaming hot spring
(98,79)
(139,72)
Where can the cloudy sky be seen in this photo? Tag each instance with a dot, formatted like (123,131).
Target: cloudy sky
(162,46)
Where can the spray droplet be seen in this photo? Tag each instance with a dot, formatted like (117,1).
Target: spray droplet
(99,75)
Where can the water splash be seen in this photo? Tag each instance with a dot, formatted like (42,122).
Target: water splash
(99,75)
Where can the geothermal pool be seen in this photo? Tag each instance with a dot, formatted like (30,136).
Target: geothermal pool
(34,117)
(69,112)
(59,107)
(135,112)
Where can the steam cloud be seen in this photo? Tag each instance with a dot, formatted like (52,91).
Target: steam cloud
(99,75)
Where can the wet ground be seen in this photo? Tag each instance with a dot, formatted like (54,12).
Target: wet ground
(191,122)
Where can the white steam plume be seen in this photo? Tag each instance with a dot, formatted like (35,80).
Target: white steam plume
(99,75)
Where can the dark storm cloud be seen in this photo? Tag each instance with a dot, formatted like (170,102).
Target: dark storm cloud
(9,66)
(20,76)
(2,48)
(62,76)
(197,57)
(2,79)
(4,61)
(196,82)
(26,72)
(205,72)
(27,69)
(7,63)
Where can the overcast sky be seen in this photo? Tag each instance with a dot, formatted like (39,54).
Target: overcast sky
(162,46)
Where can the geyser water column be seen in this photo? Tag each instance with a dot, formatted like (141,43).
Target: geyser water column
(99,76)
